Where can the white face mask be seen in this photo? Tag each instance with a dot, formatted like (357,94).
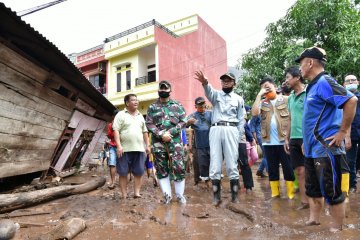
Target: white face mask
(351,87)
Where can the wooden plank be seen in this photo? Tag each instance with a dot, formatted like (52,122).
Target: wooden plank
(84,107)
(30,101)
(23,65)
(13,111)
(13,169)
(16,127)
(38,73)
(66,84)
(21,155)
(11,77)
(9,141)
(84,97)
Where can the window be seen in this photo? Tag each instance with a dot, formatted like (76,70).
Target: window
(118,82)
(128,80)
(94,80)
(151,76)
(98,81)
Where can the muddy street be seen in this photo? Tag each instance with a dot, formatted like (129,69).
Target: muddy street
(257,216)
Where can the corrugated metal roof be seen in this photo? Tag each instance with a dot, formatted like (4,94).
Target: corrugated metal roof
(35,45)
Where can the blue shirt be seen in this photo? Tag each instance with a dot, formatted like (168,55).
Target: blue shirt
(183,136)
(355,125)
(202,128)
(255,126)
(248,135)
(323,115)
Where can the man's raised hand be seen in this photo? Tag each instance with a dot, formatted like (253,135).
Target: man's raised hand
(199,75)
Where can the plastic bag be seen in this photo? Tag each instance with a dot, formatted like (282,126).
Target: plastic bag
(252,153)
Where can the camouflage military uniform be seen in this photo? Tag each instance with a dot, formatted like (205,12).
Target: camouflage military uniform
(167,117)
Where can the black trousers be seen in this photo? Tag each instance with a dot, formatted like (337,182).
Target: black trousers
(195,165)
(243,164)
(275,154)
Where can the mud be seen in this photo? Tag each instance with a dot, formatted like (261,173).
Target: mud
(257,216)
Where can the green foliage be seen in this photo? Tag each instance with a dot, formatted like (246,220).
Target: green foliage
(331,24)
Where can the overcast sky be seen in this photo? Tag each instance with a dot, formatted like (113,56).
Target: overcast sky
(76,25)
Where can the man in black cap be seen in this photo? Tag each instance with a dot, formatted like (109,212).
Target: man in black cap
(227,128)
(165,119)
(328,112)
(200,122)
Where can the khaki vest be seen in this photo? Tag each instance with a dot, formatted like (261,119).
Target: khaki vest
(281,114)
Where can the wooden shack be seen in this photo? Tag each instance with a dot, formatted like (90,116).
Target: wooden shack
(50,114)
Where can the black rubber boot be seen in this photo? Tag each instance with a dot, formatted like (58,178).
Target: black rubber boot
(216,185)
(234,186)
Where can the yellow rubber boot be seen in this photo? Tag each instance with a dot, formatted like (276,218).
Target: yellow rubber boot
(275,188)
(290,189)
(345,183)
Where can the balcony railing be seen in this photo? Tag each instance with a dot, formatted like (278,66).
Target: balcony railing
(141,80)
(140,27)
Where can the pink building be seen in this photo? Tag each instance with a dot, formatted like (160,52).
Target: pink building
(92,64)
(179,58)
(134,61)
(140,57)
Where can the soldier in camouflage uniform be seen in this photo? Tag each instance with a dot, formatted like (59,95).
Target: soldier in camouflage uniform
(165,119)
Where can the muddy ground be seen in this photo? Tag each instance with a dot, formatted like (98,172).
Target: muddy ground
(258,216)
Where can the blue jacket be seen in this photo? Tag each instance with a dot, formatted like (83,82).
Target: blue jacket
(355,126)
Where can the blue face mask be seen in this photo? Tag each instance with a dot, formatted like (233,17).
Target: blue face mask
(351,87)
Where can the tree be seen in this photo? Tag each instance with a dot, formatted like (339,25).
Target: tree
(331,24)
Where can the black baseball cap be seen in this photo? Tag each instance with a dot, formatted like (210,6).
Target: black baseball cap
(313,52)
(199,101)
(228,75)
(165,83)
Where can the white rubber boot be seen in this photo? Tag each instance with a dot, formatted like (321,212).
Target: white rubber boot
(166,189)
(179,191)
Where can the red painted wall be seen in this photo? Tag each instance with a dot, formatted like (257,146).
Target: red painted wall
(180,57)
(91,61)
(90,67)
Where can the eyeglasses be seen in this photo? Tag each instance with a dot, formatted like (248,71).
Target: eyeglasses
(352,80)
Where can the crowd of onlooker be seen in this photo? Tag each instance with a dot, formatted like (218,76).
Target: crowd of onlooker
(311,130)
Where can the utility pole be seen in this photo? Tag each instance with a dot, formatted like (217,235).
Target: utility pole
(38,8)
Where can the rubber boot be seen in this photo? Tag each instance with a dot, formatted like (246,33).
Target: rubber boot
(345,183)
(234,186)
(179,191)
(275,188)
(290,189)
(216,185)
(166,189)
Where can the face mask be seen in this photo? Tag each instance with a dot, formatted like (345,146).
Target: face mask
(227,90)
(270,95)
(164,94)
(351,87)
(200,109)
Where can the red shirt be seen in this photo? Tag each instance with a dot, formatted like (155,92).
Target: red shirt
(110,134)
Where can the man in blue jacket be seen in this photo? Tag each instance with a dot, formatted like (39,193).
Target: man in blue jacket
(328,113)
